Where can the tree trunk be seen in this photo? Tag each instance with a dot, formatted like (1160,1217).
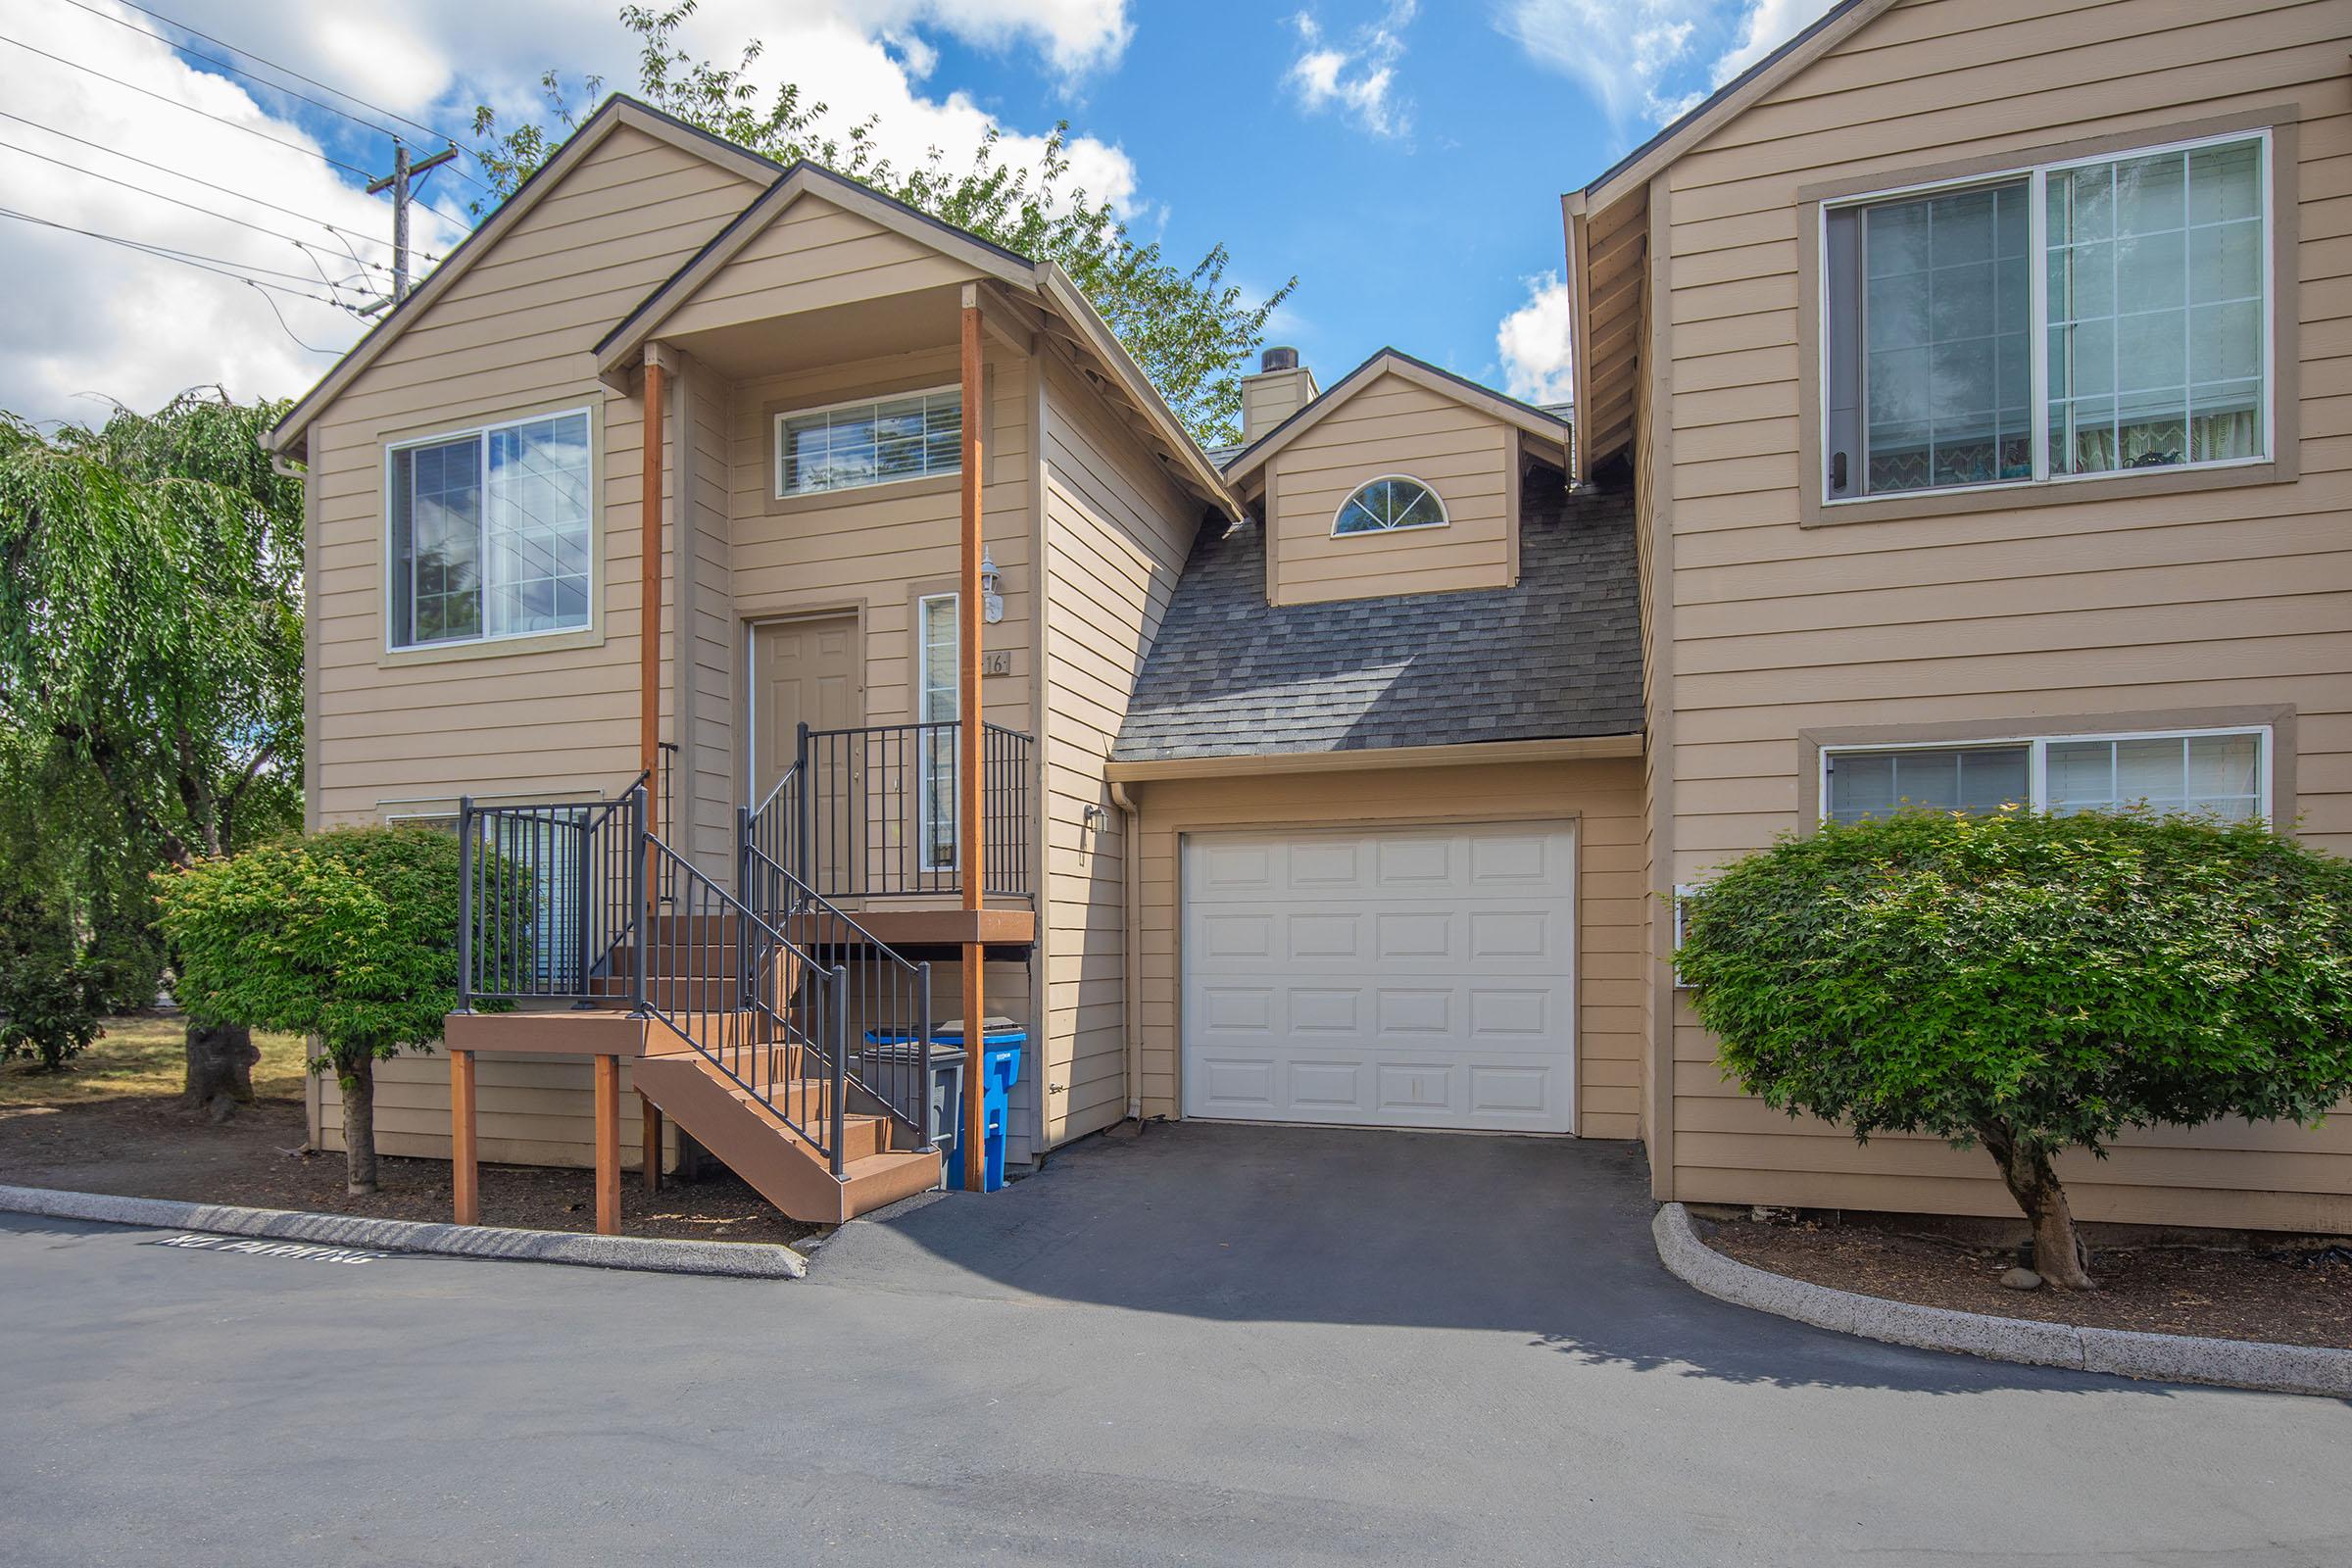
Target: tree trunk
(357,1081)
(2059,1256)
(220,1058)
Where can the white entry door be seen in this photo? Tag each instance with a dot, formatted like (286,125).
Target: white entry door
(1397,977)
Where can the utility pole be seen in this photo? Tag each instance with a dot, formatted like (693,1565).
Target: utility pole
(397,182)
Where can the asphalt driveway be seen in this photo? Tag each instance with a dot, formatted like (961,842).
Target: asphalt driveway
(1206,1344)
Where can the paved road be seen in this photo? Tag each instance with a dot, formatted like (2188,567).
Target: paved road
(1208,1345)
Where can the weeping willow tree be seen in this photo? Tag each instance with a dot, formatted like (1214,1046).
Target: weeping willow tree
(1189,330)
(151,647)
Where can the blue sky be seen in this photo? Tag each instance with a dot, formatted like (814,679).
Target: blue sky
(1405,161)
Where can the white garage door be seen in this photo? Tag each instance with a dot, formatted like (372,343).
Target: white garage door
(1407,977)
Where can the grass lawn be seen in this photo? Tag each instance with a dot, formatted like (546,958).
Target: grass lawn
(144,1057)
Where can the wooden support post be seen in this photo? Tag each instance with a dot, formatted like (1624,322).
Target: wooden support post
(608,1143)
(650,1138)
(971,848)
(648,571)
(465,1174)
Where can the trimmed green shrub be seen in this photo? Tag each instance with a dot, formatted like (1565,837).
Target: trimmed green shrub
(2031,984)
(50,1002)
(349,935)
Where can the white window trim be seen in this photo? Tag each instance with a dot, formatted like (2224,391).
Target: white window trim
(1445,514)
(1684,894)
(2036,758)
(871,400)
(2037,176)
(482,434)
(923,755)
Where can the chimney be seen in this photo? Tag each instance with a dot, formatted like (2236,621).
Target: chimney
(1281,387)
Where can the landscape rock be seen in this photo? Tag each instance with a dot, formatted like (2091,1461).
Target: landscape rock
(2022,1279)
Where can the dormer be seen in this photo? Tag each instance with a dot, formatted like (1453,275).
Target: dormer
(1403,478)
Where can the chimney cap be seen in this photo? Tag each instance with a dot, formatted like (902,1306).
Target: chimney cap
(1278,359)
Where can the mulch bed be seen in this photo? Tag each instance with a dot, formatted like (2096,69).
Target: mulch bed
(149,1147)
(2284,1291)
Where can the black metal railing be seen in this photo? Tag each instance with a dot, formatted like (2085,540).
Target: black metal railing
(873,813)
(665,791)
(761,1008)
(888,997)
(550,894)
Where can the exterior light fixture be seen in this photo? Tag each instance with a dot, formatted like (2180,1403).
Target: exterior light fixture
(991,589)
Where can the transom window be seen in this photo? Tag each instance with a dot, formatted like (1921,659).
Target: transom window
(2221,774)
(870,441)
(1391,502)
(489,533)
(2071,319)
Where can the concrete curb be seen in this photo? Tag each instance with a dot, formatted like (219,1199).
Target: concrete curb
(2165,1357)
(735,1259)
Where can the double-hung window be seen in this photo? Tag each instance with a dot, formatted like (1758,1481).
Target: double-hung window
(873,441)
(2223,774)
(490,532)
(2100,317)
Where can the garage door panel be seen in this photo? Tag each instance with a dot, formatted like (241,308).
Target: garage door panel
(1408,977)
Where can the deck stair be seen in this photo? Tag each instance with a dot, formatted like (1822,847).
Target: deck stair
(772,1054)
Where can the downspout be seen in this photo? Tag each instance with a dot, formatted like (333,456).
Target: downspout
(1131,996)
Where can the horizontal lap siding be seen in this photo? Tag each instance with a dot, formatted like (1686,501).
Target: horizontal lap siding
(528,1110)
(2218,598)
(1391,426)
(513,335)
(1602,797)
(1116,533)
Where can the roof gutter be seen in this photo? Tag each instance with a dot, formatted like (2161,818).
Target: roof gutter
(1555,748)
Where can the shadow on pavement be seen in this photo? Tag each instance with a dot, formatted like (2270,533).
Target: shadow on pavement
(1544,1238)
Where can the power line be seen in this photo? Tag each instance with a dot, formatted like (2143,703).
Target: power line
(156,195)
(190,107)
(226,190)
(171,253)
(262,60)
(225,65)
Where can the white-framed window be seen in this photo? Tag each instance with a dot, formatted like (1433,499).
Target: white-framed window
(2066,321)
(843,446)
(489,533)
(1685,895)
(937,635)
(2219,773)
(1387,504)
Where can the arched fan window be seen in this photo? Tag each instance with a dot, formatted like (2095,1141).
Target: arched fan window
(1391,502)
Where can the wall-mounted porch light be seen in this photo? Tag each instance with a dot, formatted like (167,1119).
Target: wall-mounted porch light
(991,589)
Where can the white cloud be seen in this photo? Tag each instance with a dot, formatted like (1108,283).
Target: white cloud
(81,317)
(1533,342)
(1648,61)
(1359,78)
(1768,24)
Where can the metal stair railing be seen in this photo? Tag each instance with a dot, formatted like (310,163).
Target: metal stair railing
(889,996)
(770,1015)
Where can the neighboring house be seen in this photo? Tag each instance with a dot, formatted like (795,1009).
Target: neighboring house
(1981,370)
(1959,416)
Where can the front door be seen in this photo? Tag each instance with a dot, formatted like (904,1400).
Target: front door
(810,672)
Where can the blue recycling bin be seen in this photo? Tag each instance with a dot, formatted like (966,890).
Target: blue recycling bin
(1000,1069)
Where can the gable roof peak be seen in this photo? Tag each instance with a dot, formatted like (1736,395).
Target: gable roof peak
(1391,361)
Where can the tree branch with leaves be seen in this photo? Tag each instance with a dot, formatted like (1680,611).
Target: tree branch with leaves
(1189,328)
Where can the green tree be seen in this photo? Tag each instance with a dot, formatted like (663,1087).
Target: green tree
(151,650)
(349,935)
(1189,330)
(2031,984)
(49,997)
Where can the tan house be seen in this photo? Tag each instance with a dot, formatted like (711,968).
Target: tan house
(1955,423)
(1980,372)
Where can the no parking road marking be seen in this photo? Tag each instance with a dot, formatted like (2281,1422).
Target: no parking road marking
(293,1249)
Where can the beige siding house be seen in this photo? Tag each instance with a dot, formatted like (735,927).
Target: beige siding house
(1979,371)
(1958,420)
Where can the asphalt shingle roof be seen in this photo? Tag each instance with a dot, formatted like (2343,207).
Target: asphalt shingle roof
(1559,654)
